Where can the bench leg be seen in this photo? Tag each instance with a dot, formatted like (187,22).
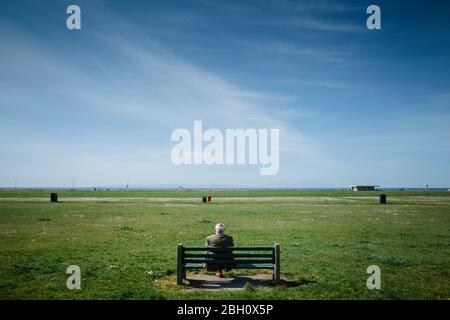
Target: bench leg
(180,277)
(276,276)
(276,269)
(180,269)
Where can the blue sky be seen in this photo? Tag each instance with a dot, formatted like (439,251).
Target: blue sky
(97,106)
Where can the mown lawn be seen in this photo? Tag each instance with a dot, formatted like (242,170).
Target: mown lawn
(126,249)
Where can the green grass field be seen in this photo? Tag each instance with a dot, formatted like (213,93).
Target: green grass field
(125,242)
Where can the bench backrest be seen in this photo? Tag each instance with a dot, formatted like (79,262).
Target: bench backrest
(228,255)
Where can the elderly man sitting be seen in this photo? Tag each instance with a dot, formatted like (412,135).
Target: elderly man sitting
(219,239)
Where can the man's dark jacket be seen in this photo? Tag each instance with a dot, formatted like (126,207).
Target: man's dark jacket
(221,240)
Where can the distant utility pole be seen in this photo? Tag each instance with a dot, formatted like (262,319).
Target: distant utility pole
(15,185)
(73,185)
(128,181)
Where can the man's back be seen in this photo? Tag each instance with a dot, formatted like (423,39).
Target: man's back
(220,240)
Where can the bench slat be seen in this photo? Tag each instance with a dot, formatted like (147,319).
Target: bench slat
(227,262)
(256,248)
(238,266)
(235,255)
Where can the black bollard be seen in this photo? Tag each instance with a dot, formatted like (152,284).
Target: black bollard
(53,197)
(382,198)
(204,198)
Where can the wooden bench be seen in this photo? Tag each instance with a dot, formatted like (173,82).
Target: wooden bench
(257,257)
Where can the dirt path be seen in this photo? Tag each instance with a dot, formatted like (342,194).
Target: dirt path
(197,200)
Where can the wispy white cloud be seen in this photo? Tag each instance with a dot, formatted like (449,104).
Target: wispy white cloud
(322,24)
(319,83)
(146,85)
(324,6)
(310,15)
(323,54)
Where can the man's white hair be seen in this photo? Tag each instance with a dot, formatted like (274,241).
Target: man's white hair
(220,228)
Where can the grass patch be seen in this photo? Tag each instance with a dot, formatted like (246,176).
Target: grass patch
(126,248)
